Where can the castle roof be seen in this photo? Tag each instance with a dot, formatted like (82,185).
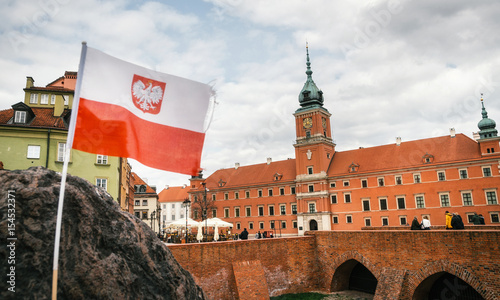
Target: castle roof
(173,194)
(252,175)
(418,153)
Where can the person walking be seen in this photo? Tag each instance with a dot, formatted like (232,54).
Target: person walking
(244,234)
(481,219)
(475,219)
(456,221)
(415,224)
(426,224)
(448,220)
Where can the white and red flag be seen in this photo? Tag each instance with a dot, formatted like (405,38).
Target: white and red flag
(129,111)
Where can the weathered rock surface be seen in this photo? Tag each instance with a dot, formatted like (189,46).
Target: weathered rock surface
(105,253)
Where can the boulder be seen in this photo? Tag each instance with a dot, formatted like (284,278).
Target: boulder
(105,253)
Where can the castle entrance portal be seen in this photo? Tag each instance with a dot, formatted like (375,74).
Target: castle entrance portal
(313,225)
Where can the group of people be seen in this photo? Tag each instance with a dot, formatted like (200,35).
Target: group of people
(424,225)
(453,221)
(244,235)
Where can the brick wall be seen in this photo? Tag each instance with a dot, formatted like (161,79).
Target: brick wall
(322,261)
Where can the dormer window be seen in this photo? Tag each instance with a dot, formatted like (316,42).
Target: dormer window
(20,117)
(278,176)
(353,167)
(222,183)
(428,158)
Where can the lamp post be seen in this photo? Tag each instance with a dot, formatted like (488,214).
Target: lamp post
(186,204)
(152,220)
(159,219)
(205,209)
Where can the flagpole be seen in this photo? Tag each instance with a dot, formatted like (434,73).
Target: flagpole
(69,144)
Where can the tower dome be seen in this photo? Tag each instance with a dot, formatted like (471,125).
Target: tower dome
(310,96)
(486,125)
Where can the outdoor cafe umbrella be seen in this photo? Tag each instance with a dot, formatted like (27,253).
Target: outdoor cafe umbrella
(216,233)
(199,236)
(182,223)
(216,221)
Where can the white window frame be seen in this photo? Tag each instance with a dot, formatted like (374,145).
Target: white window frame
(237,212)
(52,99)
(66,99)
(363,204)
(345,183)
(102,182)
(400,179)
(310,170)
(313,205)
(33,152)
(347,219)
(382,220)
(226,212)
(489,168)
(486,191)
(292,206)
(34,98)
(471,198)
(61,150)
(248,213)
(282,208)
(145,202)
(20,117)
(101,159)
(404,201)
(444,173)
(441,199)
(44,99)
(258,210)
(333,184)
(261,225)
(416,200)
(401,220)
(380,181)
(269,207)
(334,196)
(350,198)
(415,176)
(335,219)
(460,173)
(497,216)
(369,219)
(380,203)
(364,183)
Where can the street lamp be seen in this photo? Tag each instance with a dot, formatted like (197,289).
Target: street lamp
(205,209)
(159,219)
(152,220)
(186,204)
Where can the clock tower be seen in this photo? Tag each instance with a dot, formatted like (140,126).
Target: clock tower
(314,149)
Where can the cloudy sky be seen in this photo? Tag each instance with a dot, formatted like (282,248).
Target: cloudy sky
(392,68)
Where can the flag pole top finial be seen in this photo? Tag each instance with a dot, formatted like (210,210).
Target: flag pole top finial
(84,43)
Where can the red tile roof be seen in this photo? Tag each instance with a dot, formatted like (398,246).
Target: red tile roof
(138,181)
(44,118)
(253,174)
(408,154)
(173,194)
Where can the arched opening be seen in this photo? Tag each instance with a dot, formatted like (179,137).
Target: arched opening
(444,285)
(352,275)
(362,280)
(313,225)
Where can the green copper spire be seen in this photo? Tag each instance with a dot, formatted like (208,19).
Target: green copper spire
(310,96)
(486,125)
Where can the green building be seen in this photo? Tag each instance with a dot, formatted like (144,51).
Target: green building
(34,132)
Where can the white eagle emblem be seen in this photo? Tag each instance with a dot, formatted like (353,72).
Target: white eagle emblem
(148,99)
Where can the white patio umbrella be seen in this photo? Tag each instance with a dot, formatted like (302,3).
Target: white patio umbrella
(216,232)
(216,221)
(199,236)
(182,223)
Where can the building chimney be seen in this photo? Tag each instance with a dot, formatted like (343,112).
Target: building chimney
(30,82)
(166,186)
(236,166)
(452,132)
(269,160)
(398,141)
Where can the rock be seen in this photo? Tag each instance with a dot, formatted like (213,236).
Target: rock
(105,253)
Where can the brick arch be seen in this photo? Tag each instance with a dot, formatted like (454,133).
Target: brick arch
(345,257)
(417,277)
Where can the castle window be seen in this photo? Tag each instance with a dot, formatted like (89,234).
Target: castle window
(260,193)
(283,224)
(144,202)
(467,198)
(402,220)
(335,219)
(366,205)
(101,159)
(353,167)
(292,190)
(445,199)
(486,171)
(261,225)
(399,179)
(102,182)
(248,211)
(346,183)
(463,173)
(282,209)
(428,158)
(310,170)
(282,191)
(222,183)
(214,214)
(494,217)
(261,210)
(250,225)
(364,183)
(333,199)
(137,202)
(348,219)
(52,99)
(332,184)
(311,188)
(491,197)
(226,212)
(441,175)
(236,212)
(226,196)
(278,176)
(368,222)
(383,203)
(312,207)
(385,221)
(20,117)
(271,224)
(381,181)
(401,203)
(416,178)
(294,209)
(238,225)
(271,210)
(308,133)
(419,201)
(213,197)
(236,195)
(294,224)
(247,194)
(347,197)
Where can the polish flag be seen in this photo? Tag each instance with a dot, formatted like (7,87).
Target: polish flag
(129,111)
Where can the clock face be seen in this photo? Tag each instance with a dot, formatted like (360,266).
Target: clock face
(308,122)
